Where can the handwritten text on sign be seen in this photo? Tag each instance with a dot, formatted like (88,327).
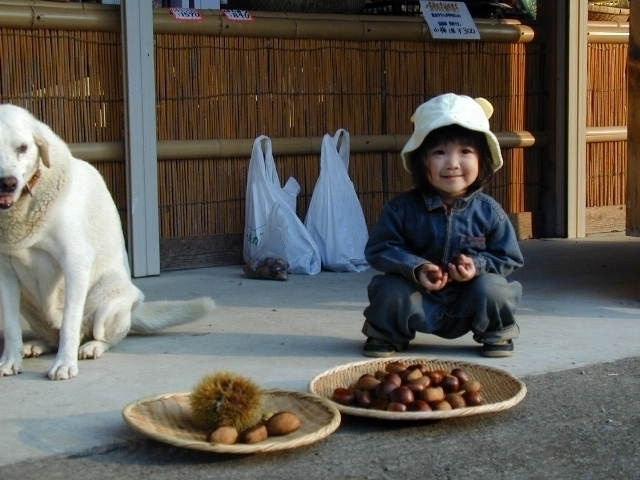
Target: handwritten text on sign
(450,20)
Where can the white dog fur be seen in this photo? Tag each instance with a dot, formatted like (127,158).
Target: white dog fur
(63,265)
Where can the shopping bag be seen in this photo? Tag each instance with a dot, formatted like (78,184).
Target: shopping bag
(335,219)
(272,227)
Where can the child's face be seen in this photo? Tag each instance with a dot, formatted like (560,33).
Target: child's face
(452,167)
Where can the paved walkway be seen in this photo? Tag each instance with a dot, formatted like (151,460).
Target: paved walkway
(581,307)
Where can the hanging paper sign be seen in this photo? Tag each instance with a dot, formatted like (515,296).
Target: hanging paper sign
(449,20)
(237,15)
(186,14)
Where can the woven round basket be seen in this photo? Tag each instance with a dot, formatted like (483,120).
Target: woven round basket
(309,6)
(500,389)
(167,418)
(608,14)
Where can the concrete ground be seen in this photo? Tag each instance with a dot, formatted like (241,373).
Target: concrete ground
(579,354)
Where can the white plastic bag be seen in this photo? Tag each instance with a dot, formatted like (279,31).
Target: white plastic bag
(335,219)
(272,227)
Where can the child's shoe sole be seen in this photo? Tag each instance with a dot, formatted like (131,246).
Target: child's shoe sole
(497,350)
(377,348)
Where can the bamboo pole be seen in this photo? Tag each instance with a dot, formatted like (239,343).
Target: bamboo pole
(194,149)
(65,16)
(97,17)
(606,134)
(611,33)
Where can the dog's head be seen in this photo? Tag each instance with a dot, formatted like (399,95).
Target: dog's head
(24,147)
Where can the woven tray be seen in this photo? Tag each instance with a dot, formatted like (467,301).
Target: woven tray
(167,418)
(500,389)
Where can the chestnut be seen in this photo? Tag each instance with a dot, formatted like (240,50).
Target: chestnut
(224,434)
(461,373)
(254,434)
(455,400)
(402,394)
(435,376)
(424,380)
(364,398)
(473,398)
(343,395)
(379,403)
(385,388)
(393,377)
(442,405)
(396,407)
(471,386)
(396,366)
(419,406)
(403,386)
(432,394)
(367,382)
(434,275)
(411,374)
(415,386)
(450,383)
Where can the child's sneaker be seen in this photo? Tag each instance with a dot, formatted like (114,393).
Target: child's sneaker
(499,349)
(375,347)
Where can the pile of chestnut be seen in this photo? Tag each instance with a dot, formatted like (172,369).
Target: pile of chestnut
(402,387)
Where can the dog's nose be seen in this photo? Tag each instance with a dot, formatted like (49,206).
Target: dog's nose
(8,184)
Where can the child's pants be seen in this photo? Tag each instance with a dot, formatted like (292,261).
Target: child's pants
(399,308)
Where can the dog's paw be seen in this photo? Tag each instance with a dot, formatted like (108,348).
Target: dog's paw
(63,370)
(10,367)
(34,348)
(93,349)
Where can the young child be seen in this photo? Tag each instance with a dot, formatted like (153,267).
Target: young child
(445,247)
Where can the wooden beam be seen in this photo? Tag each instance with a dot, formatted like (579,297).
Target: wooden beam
(576,121)
(633,123)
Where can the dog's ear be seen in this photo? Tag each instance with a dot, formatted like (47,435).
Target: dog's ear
(43,148)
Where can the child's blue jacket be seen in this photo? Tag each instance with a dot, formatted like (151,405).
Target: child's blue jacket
(414,229)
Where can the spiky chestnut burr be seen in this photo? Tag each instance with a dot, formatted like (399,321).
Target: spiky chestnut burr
(225,398)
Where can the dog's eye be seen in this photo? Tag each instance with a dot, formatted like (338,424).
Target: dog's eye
(22,148)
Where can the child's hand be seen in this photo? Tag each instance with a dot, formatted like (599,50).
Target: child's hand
(462,268)
(432,277)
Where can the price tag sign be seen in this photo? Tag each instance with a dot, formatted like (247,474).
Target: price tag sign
(449,20)
(237,15)
(186,14)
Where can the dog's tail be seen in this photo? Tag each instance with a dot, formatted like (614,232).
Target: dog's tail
(150,317)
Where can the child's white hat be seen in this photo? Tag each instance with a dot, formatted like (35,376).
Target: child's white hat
(452,109)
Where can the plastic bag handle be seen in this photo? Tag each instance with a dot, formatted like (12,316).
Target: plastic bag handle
(342,142)
(263,146)
(332,155)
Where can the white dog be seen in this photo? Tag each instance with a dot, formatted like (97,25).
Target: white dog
(63,264)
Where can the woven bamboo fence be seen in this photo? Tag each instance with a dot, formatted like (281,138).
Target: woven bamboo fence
(236,87)
(606,106)
(211,87)
(79,95)
(216,87)
(606,189)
